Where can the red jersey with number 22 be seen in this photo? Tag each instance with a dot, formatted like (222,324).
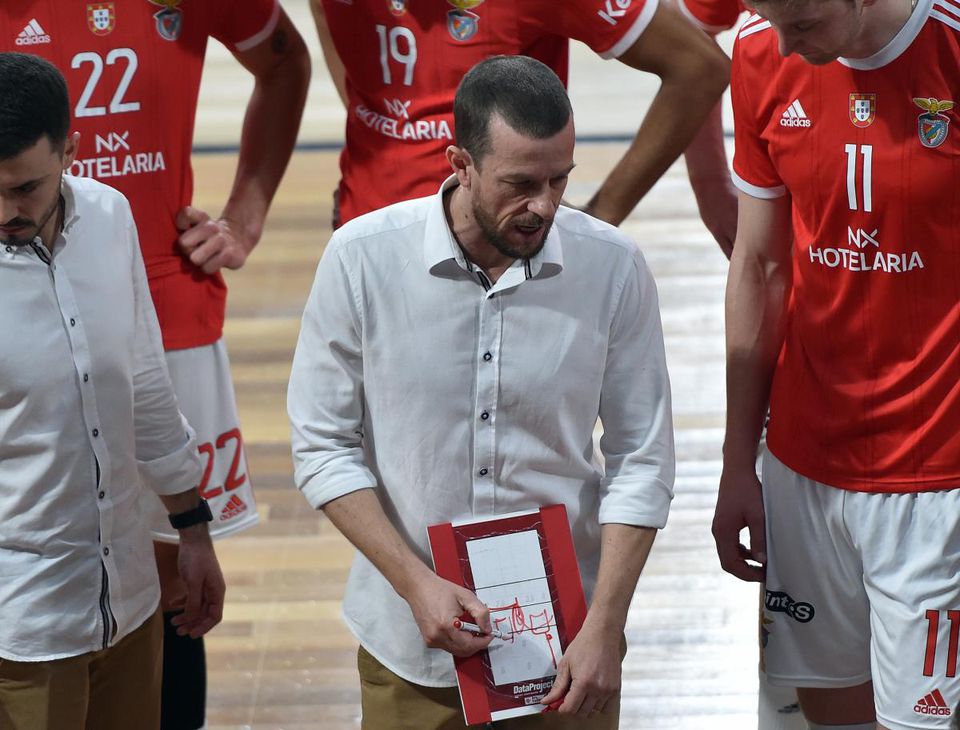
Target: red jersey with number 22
(866,394)
(133,70)
(405,58)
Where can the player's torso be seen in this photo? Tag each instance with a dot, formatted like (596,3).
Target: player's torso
(404,60)
(872,159)
(133,71)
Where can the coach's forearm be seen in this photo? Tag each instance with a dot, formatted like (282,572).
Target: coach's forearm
(361,519)
(623,553)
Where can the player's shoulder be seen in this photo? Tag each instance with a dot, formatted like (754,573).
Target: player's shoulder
(755,50)
(755,35)
(947,14)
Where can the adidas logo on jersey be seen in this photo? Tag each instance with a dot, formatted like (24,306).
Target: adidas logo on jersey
(32,35)
(932,704)
(794,116)
(232,508)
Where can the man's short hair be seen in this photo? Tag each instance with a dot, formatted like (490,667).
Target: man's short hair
(523,92)
(34,103)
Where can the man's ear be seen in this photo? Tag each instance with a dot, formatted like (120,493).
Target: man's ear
(70,150)
(461,163)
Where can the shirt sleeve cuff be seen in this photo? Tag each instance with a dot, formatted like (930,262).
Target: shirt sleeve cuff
(647,506)
(634,32)
(264,33)
(777,191)
(321,489)
(175,472)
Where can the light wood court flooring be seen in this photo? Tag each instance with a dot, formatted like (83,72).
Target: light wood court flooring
(283,659)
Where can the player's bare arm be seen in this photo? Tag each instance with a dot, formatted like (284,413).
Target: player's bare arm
(693,72)
(710,181)
(758,289)
(588,675)
(709,176)
(280,66)
(434,601)
(338,73)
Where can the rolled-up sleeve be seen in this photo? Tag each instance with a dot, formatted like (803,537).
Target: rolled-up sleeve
(325,395)
(166,446)
(637,442)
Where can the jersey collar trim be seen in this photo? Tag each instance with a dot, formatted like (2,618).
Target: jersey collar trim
(900,42)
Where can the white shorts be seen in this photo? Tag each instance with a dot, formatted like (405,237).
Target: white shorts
(864,586)
(201,378)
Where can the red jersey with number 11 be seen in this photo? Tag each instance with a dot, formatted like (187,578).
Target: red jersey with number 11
(133,70)
(405,58)
(866,394)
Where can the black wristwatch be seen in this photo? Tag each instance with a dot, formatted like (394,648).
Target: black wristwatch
(200,513)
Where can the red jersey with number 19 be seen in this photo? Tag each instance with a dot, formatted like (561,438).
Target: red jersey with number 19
(866,393)
(133,70)
(405,58)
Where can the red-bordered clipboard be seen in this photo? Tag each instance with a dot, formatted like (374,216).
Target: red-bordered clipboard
(539,615)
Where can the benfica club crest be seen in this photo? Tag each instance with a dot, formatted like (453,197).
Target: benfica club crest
(933,126)
(101,18)
(169,20)
(863,109)
(461,23)
(397,7)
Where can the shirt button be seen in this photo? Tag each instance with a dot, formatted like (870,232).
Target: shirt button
(101,495)
(487,357)
(484,416)
(73,322)
(106,551)
(86,377)
(483,472)
(96,432)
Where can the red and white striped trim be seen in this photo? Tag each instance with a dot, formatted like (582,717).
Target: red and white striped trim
(946,12)
(264,33)
(756,191)
(753,24)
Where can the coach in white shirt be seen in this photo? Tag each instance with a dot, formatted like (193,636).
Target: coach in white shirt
(87,414)
(455,354)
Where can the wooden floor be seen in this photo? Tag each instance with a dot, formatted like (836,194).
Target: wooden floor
(283,659)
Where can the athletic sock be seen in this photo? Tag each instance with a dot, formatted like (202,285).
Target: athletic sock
(183,704)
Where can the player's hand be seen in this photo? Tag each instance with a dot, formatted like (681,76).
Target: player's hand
(739,505)
(588,676)
(211,244)
(435,603)
(200,571)
(717,204)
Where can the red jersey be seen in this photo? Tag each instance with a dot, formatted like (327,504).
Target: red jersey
(866,393)
(133,70)
(712,16)
(405,58)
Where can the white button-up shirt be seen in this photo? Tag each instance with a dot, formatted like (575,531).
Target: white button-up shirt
(86,410)
(456,398)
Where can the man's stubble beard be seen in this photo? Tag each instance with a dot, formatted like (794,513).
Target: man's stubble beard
(490,232)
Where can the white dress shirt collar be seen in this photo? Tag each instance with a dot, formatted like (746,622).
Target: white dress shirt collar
(440,248)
